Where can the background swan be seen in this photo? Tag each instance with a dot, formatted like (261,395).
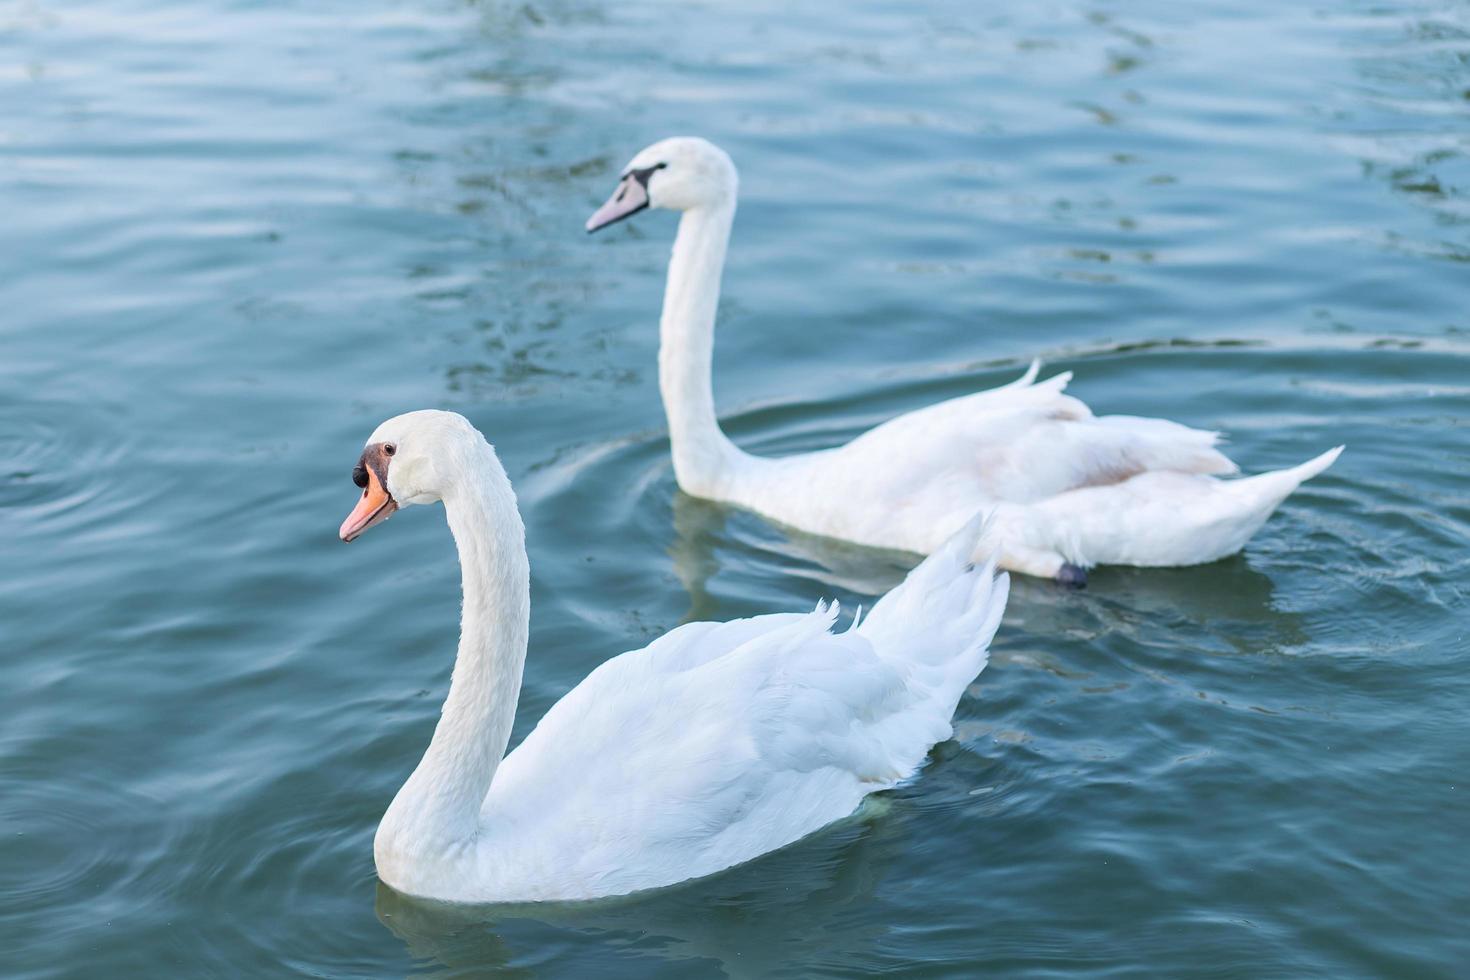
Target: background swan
(1068,489)
(714,744)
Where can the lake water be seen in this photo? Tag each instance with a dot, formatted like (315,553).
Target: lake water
(238,235)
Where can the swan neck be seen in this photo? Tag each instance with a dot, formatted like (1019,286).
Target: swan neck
(703,457)
(438,808)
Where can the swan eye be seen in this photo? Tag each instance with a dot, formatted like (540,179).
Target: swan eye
(359,476)
(389,449)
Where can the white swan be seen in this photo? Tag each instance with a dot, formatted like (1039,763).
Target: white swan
(1067,489)
(716,743)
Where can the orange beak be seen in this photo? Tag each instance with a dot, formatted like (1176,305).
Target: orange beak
(375,507)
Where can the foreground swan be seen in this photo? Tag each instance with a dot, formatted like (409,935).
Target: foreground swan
(1067,489)
(714,744)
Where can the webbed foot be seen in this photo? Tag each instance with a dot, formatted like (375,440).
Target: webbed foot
(1073,576)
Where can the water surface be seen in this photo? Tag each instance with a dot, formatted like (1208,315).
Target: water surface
(239,235)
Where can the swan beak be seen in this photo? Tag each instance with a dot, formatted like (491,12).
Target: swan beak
(375,507)
(630,198)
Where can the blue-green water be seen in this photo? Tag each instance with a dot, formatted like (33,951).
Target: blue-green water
(238,235)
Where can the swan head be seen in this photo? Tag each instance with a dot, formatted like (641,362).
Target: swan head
(677,174)
(409,459)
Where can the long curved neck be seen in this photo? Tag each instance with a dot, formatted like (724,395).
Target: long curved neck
(438,807)
(703,457)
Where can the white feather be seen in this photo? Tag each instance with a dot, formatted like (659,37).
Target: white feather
(1064,485)
(714,744)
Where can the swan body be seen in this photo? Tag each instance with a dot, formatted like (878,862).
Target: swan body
(714,744)
(1067,489)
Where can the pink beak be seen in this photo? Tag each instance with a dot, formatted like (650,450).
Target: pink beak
(630,198)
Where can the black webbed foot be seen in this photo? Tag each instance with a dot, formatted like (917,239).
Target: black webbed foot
(1073,576)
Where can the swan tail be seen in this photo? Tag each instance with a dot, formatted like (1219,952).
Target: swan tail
(1170,519)
(938,623)
(1257,498)
(1270,489)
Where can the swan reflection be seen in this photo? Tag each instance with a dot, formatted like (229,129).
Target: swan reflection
(749,920)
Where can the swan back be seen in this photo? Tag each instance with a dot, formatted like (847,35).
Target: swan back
(721,741)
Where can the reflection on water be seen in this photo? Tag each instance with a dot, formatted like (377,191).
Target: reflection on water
(698,526)
(827,566)
(1228,594)
(750,921)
